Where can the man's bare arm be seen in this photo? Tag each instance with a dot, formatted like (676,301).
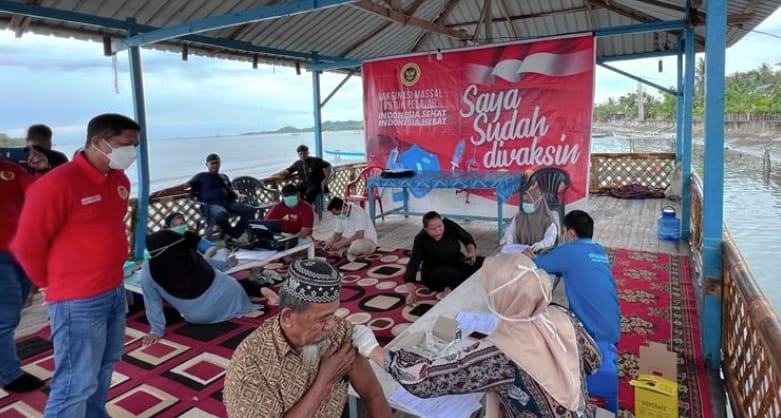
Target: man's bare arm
(368,387)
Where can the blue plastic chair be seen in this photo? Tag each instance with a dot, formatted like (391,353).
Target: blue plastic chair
(604,383)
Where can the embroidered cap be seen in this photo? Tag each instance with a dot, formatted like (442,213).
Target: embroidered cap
(313,281)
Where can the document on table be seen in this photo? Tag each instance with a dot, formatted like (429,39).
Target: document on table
(448,406)
(254,255)
(477,321)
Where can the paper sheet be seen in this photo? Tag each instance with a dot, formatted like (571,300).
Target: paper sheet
(448,406)
(254,255)
(514,248)
(476,321)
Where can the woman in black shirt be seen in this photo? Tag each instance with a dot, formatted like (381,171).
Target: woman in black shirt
(438,247)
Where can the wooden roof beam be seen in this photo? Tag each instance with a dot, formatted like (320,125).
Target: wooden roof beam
(732,20)
(523,17)
(637,15)
(405,19)
(485,19)
(506,13)
(446,10)
(410,11)
(20,23)
(591,17)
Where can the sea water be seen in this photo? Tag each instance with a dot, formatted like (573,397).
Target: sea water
(756,231)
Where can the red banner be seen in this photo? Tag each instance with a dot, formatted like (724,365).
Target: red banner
(512,107)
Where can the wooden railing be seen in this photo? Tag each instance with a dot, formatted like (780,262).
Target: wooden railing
(751,341)
(609,170)
(751,330)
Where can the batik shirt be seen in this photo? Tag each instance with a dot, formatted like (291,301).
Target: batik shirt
(267,377)
(482,367)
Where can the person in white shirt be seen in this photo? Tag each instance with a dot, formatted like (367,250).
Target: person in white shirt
(354,230)
(535,225)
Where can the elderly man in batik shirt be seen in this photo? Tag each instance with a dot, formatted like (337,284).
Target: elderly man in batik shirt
(300,363)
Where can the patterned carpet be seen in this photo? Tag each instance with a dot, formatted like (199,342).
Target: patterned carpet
(183,374)
(658,304)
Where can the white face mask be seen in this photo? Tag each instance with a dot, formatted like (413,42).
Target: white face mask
(120,158)
(540,318)
(156,252)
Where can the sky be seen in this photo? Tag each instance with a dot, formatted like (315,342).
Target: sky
(65,82)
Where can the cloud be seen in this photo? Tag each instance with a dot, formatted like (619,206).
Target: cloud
(65,82)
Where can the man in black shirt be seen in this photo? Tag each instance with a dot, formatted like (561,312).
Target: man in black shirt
(438,247)
(41,157)
(214,189)
(312,171)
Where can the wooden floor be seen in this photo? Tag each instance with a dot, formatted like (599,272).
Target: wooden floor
(619,223)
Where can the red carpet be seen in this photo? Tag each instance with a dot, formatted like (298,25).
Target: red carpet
(658,304)
(183,375)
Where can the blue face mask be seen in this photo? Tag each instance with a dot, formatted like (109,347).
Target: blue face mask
(179,229)
(528,208)
(341,216)
(290,201)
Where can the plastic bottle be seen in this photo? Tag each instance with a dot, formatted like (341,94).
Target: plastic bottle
(668,226)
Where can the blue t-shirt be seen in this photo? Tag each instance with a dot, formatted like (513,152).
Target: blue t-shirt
(591,288)
(211,188)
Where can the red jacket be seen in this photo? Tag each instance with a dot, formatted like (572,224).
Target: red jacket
(14,181)
(292,219)
(71,236)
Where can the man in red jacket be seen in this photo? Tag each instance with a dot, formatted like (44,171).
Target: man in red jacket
(296,216)
(14,285)
(74,244)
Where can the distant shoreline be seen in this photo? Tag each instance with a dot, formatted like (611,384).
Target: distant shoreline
(327,126)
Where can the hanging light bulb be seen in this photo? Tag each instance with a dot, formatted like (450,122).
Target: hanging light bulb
(439,54)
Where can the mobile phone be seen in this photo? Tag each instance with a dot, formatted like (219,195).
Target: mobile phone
(477,335)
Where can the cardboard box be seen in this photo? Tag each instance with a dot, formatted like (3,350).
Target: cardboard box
(445,329)
(430,343)
(655,397)
(655,359)
(656,387)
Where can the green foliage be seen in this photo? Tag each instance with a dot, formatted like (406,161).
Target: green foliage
(755,91)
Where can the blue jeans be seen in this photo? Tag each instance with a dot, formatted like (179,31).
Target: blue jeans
(220,215)
(14,287)
(89,338)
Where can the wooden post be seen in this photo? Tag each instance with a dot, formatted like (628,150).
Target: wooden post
(766,166)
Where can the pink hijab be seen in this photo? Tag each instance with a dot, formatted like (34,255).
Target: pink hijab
(538,338)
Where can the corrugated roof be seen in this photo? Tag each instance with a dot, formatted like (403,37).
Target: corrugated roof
(375,28)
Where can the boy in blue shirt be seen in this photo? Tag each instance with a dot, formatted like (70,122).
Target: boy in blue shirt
(588,280)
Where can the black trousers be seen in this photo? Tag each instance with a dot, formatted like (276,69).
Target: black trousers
(309,191)
(449,275)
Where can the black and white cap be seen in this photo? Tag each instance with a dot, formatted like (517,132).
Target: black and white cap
(313,281)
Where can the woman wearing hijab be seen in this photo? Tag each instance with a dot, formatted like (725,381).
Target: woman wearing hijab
(178,274)
(535,225)
(532,364)
(176,222)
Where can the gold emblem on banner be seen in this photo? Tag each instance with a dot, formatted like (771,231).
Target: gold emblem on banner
(122,191)
(410,74)
(7,175)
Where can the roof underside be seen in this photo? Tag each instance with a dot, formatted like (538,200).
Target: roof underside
(375,28)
